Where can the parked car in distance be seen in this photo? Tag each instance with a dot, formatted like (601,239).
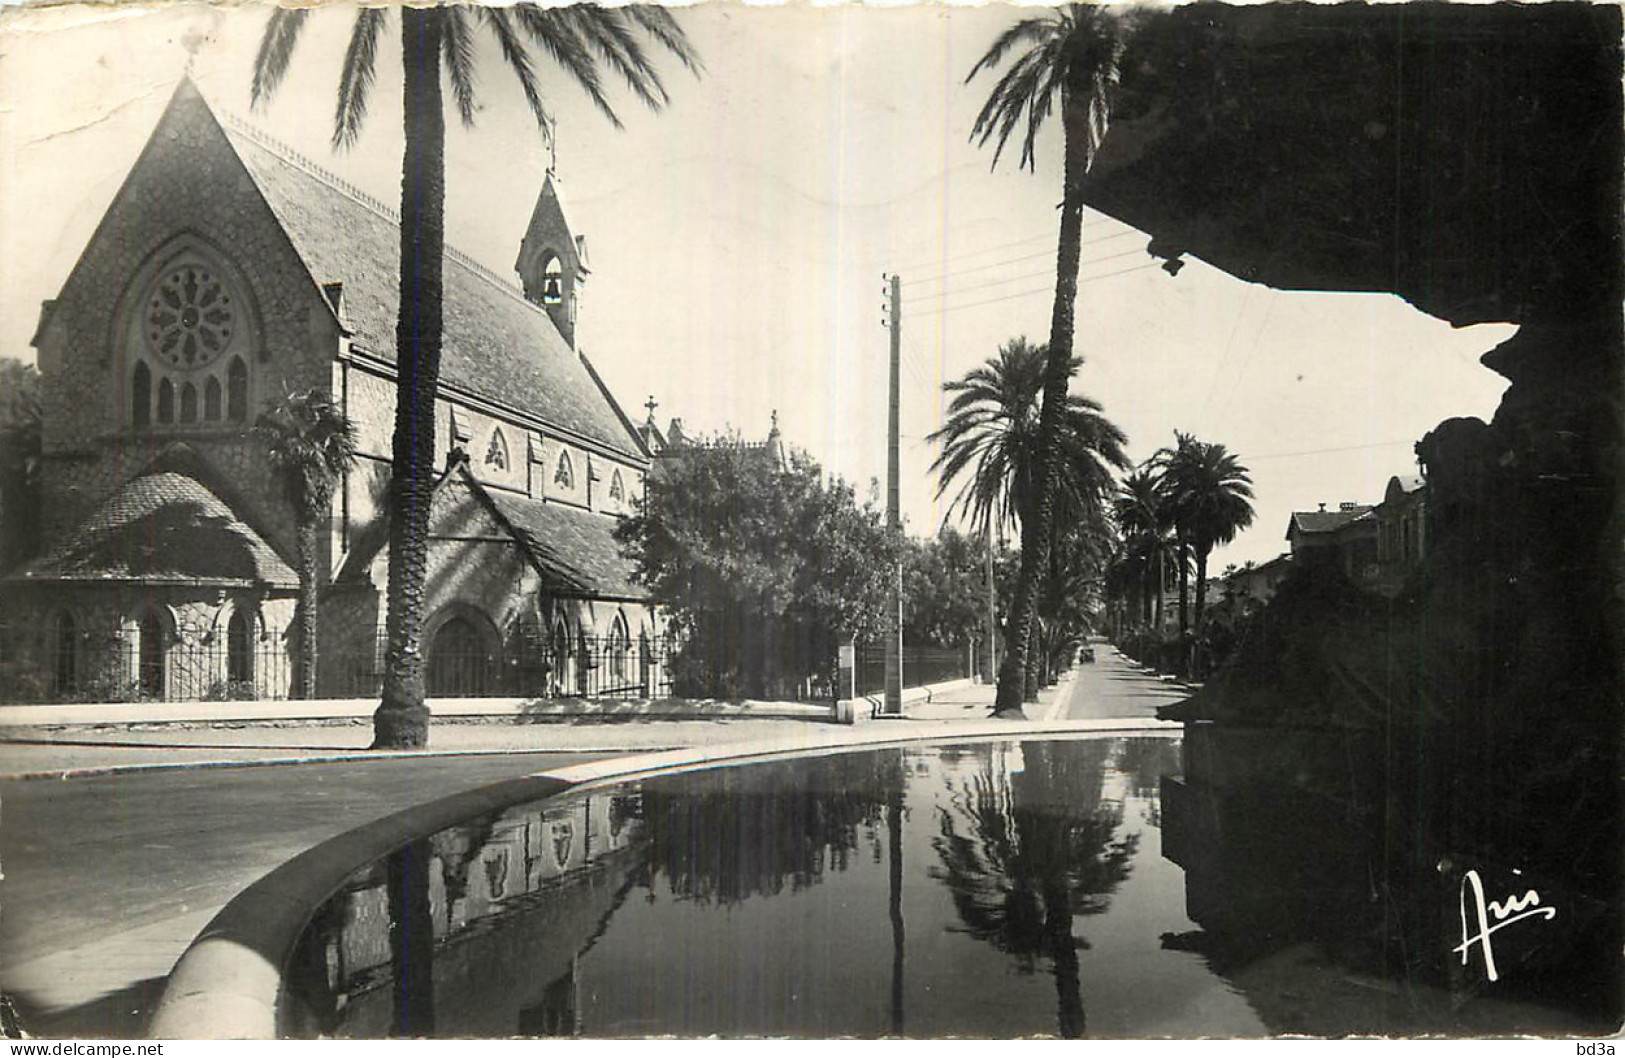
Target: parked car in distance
(1086,653)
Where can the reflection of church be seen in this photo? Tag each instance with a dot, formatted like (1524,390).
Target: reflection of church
(226,271)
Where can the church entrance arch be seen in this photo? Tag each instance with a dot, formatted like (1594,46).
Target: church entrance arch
(461,659)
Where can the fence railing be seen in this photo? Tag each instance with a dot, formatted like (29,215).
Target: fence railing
(466,667)
(90,668)
(458,664)
(921,665)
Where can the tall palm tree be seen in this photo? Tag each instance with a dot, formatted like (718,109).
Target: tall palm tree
(994,440)
(578,39)
(311,444)
(1143,519)
(1209,491)
(1072,52)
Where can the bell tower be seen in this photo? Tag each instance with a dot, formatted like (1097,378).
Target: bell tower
(552,263)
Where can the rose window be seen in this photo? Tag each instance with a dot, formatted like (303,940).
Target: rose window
(190,317)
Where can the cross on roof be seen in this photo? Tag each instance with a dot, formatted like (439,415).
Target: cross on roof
(651,404)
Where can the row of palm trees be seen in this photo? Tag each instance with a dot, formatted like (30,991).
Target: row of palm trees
(1171,513)
(1128,537)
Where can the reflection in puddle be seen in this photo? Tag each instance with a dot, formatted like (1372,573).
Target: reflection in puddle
(990,889)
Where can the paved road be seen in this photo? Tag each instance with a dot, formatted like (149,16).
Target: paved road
(108,878)
(1113,687)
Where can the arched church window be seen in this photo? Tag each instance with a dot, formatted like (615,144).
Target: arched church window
(552,281)
(141,395)
(188,402)
(237,390)
(150,655)
(240,647)
(564,476)
(617,491)
(211,399)
(620,647)
(64,654)
(166,401)
(496,453)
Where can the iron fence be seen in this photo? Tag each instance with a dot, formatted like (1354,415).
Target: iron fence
(921,665)
(466,666)
(148,667)
(458,664)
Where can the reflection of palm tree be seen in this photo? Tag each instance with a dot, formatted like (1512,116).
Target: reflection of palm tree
(1038,851)
(411,939)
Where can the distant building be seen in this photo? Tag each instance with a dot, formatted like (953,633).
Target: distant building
(1251,587)
(1402,530)
(1346,537)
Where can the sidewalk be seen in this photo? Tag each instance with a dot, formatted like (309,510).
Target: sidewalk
(107,747)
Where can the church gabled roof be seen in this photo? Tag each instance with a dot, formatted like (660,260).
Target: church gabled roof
(163,527)
(497,346)
(574,550)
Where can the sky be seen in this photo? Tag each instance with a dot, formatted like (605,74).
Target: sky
(739,240)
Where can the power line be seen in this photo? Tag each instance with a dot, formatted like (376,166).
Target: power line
(1049,235)
(1030,275)
(949,273)
(1028,293)
(1328,451)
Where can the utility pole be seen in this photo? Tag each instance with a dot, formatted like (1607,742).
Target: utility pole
(991,675)
(894,516)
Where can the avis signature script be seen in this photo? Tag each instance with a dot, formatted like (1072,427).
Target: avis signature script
(1480,920)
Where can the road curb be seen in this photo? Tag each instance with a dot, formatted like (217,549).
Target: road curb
(227,982)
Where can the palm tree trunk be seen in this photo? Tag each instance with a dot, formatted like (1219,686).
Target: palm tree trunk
(1162,585)
(1184,584)
(307,609)
(1035,531)
(1201,584)
(402,719)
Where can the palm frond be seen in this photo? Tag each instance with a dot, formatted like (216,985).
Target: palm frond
(1028,29)
(356,76)
(555,33)
(659,24)
(276,51)
(499,20)
(606,30)
(457,46)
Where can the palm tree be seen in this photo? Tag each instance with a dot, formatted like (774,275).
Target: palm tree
(993,438)
(1209,491)
(992,432)
(1142,516)
(1073,52)
(311,444)
(578,39)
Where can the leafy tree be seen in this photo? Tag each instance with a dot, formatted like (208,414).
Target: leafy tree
(311,444)
(579,39)
(20,453)
(763,567)
(1072,52)
(944,590)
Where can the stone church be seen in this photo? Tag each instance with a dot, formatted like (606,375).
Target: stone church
(229,270)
